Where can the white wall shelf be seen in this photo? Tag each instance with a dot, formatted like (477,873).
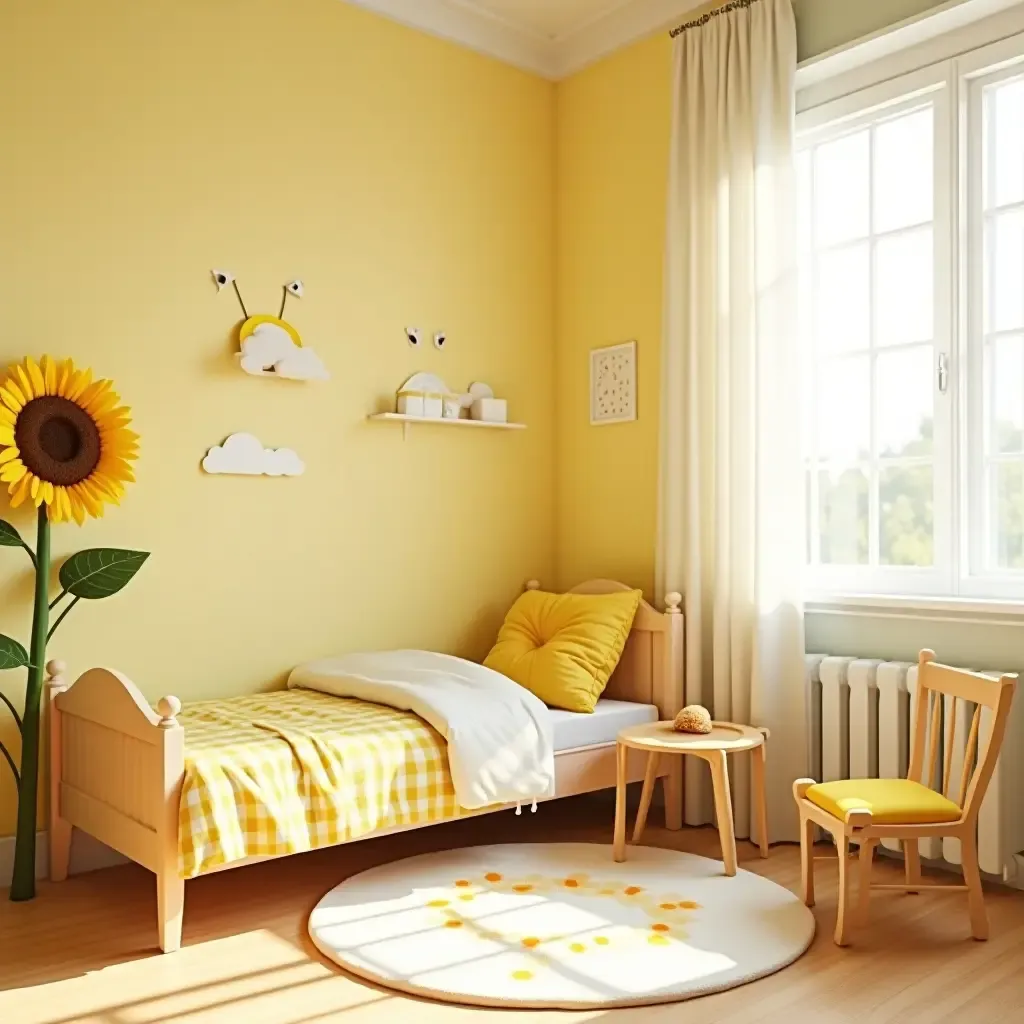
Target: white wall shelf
(407,421)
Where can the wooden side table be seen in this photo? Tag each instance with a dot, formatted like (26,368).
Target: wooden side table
(659,738)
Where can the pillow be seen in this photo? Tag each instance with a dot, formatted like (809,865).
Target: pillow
(564,647)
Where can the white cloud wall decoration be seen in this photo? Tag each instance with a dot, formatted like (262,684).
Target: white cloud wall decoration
(244,455)
(271,348)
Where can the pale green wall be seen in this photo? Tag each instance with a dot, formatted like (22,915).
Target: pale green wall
(976,645)
(825,24)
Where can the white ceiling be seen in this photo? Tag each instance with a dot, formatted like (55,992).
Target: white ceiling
(551,19)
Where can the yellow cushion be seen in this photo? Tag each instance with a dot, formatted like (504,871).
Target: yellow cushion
(890,801)
(564,647)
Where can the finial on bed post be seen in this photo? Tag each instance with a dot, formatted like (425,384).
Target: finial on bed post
(55,681)
(168,707)
(533,584)
(672,603)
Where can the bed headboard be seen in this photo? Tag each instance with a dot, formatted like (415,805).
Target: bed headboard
(650,670)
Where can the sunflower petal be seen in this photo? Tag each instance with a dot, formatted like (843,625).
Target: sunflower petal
(102,403)
(35,375)
(47,492)
(36,482)
(7,454)
(92,504)
(25,382)
(7,415)
(80,380)
(77,507)
(67,368)
(13,472)
(19,490)
(11,396)
(49,368)
(7,435)
(92,392)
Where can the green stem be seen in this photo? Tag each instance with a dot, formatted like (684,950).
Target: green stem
(60,618)
(23,882)
(57,600)
(14,712)
(10,761)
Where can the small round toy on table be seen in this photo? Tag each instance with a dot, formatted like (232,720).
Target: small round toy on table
(660,738)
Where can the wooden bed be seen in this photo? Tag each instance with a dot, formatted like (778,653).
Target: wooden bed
(117,767)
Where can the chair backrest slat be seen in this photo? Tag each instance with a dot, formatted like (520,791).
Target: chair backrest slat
(932,774)
(947,761)
(935,681)
(969,754)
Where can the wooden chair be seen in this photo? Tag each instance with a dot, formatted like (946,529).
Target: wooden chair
(865,811)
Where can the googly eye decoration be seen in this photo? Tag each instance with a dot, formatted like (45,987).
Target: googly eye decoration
(415,336)
(440,340)
(222,278)
(296,288)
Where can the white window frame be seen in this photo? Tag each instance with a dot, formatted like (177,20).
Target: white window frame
(955,86)
(890,98)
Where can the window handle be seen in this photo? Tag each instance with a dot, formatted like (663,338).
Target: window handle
(943,373)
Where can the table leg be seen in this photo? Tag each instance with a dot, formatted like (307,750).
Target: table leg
(619,844)
(723,809)
(645,798)
(760,802)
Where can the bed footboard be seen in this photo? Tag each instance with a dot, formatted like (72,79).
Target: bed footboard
(116,770)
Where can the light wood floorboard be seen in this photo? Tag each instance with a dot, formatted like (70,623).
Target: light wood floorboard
(83,952)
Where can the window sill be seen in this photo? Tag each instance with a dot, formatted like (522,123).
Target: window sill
(934,609)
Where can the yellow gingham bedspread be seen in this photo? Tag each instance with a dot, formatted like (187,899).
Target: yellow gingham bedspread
(280,773)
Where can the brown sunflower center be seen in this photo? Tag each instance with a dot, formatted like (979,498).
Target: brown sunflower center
(57,440)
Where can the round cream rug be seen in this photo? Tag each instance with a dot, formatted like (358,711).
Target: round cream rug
(559,925)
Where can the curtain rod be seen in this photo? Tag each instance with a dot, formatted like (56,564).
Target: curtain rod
(709,11)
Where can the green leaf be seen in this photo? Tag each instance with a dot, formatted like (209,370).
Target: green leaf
(12,654)
(100,572)
(9,536)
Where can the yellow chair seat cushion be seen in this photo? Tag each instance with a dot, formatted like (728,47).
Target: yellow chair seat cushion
(890,801)
(564,647)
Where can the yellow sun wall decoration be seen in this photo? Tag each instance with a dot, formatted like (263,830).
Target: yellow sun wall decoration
(64,439)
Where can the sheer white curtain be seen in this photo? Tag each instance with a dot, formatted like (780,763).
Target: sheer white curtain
(731,504)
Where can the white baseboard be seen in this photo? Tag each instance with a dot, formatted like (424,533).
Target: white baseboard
(87,854)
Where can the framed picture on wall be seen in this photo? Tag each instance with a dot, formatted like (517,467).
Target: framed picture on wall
(613,384)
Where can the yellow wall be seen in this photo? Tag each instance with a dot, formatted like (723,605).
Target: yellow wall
(613,144)
(406,181)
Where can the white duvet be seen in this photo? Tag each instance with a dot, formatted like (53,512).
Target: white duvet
(499,735)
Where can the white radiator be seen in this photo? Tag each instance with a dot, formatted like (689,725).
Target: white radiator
(860,712)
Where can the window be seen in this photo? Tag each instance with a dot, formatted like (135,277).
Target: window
(911,242)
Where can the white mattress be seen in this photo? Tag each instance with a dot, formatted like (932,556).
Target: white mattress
(610,716)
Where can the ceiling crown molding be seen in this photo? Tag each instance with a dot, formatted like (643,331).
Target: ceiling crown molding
(471,27)
(460,21)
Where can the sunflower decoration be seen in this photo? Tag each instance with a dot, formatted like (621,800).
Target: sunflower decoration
(64,440)
(66,447)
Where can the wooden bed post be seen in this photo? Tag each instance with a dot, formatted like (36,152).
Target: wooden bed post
(60,830)
(672,666)
(170,886)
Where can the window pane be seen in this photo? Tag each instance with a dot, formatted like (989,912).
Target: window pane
(905,401)
(1008,513)
(1004,271)
(904,171)
(803,184)
(843,511)
(905,288)
(906,516)
(844,410)
(841,169)
(1005,388)
(1004,144)
(842,299)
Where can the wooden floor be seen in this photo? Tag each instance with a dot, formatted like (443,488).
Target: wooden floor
(84,950)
